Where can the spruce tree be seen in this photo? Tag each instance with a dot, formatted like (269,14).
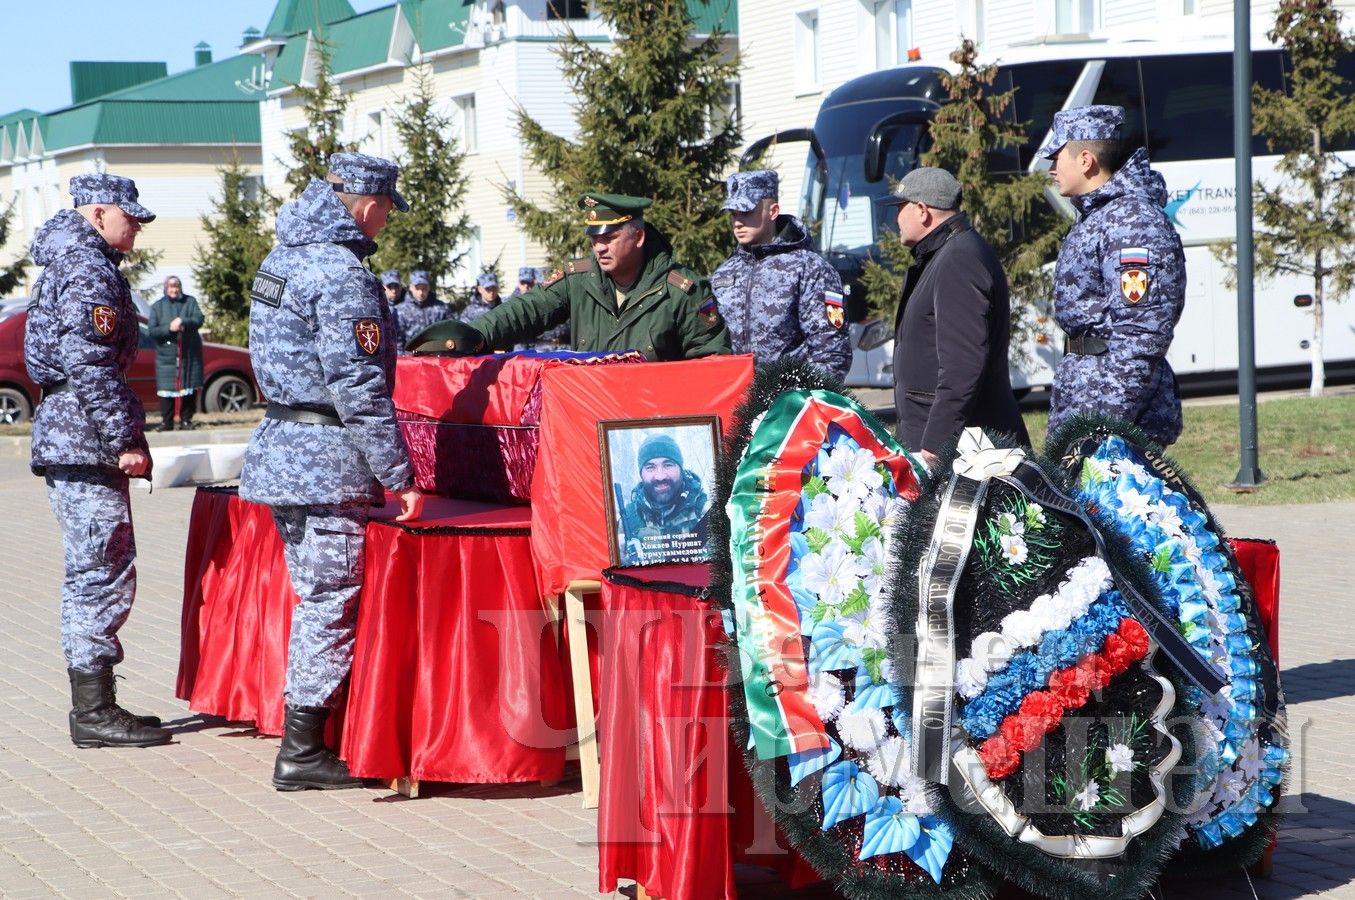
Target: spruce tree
(136,266)
(238,239)
(1008,210)
(651,123)
(324,104)
(1306,215)
(434,181)
(12,275)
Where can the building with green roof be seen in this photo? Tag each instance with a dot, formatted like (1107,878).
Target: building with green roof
(171,132)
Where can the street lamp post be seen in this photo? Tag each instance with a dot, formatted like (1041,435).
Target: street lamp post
(1249,475)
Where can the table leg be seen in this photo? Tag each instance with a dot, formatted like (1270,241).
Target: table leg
(589,766)
(404,786)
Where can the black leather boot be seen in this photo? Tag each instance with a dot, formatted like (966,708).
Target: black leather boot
(98,721)
(304,762)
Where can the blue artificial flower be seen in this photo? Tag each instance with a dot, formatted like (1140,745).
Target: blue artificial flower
(889,829)
(871,695)
(847,793)
(829,650)
(807,762)
(932,848)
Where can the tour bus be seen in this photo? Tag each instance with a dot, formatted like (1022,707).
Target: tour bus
(1178,103)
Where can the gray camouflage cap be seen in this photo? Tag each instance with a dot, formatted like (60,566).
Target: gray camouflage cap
(363,174)
(418,277)
(1083,123)
(390,276)
(112,190)
(747,189)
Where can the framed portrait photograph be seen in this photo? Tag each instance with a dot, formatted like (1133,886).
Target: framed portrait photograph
(659,477)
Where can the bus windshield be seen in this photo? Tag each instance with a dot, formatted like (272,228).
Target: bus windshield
(844,208)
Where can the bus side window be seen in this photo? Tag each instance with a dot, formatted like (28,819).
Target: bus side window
(1190,107)
(1041,90)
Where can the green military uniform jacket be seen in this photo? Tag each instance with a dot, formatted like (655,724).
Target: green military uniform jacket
(669,314)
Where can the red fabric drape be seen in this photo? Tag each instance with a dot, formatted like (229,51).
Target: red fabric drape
(456,676)
(455,672)
(569,528)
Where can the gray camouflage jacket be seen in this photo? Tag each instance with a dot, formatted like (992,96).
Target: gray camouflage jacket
(1121,277)
(82,329)
(321,336)
(777,299)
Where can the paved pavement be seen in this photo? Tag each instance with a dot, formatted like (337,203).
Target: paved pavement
(199,818)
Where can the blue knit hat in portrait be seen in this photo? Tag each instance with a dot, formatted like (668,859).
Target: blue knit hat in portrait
(110,190)
(1083,123)
(747,189)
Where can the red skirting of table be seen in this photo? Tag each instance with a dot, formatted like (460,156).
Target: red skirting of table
(457,674)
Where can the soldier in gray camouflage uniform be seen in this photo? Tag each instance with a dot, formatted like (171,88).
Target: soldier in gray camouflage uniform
(779,297)
(421,309)
(320,341)
(669,504)
(80,338)
(1120,281)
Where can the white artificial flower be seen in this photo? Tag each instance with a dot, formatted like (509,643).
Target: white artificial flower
(991,649)
(1134,504)
(861,728)
(865,629)
(1014,549)
(1010,524)
(1120,758)
(887,670)
(1035,513)
(1229,788)
(890,761)
(970,678)
(830,573)
(1249,759)
(851,473)
(837,517)
(913,793)
(1217,706)
(1022,628)
(1168,519)
(825,692)
(1088,797)
(871,565)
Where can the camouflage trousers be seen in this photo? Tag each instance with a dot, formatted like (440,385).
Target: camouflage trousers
(92,507)
(323,548)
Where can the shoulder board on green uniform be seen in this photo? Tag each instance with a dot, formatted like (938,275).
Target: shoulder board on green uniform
(680,281)
(553,277)
(582,264)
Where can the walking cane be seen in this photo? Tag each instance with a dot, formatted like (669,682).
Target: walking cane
(178,377)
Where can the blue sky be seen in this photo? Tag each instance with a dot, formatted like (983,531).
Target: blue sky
(40,38)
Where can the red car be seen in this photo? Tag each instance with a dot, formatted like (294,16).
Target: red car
(227,377)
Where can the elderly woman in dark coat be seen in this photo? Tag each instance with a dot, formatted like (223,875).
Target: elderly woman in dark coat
(174,324)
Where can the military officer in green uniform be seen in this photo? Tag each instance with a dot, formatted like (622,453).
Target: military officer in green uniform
(629,294)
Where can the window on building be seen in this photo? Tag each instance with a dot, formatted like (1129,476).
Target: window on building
(566,9)
(807,76)
(374,141)
(1077,16)
(1189,7)
(464,124)
(903,29)
(471,256)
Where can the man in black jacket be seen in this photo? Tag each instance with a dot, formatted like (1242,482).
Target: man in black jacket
(951,328)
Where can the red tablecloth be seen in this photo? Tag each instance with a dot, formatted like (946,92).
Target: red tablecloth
(456,673)
(677,809)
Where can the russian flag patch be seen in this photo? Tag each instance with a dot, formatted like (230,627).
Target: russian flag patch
(1135,256)
(832,298)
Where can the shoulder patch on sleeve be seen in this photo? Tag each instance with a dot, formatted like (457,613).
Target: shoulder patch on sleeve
(582,264)
(367,336)
(710,313)
(834,309)
(267,288)
(1135,256)
(553,277)
(104,320)
(681,282)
